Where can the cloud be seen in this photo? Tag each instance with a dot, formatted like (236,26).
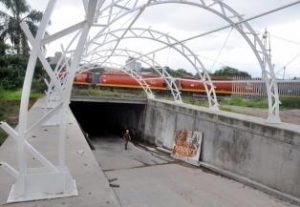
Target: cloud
(187,18)
(182,21)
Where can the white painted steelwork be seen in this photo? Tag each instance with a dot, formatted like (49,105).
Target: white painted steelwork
(129,71)
(99,55)
(54,180)
(169,41)
(228,14)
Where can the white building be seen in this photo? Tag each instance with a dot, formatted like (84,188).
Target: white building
(133,64)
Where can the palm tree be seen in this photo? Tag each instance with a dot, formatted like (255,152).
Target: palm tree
(18,11)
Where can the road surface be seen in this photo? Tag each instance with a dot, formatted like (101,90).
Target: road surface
(148,178)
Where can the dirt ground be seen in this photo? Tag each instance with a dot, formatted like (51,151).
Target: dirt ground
(289,116)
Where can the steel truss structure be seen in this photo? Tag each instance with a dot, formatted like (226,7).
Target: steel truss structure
(54,179)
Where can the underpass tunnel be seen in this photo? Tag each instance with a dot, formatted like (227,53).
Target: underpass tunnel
(100,120)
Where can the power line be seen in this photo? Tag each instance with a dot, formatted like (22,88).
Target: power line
(292,60)
(222,48)
(243,21)
(223,28)
(285,39)
(287,64)
(228,26)
(212,60)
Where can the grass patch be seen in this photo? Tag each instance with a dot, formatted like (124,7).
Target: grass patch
(194,101)
(9,111)
(238,101)
(15,95)
(9,107)
(10,95)
(3,136)
(106,93)
(225,108)
(290,103)
(286,103)
(97,92)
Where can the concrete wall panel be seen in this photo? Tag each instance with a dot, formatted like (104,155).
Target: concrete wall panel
(247,146)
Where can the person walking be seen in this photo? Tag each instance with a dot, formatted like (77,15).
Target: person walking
(126,137)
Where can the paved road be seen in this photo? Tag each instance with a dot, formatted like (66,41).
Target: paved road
(143,178)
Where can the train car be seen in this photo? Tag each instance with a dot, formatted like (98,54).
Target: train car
(154,80)
(123,79)
(190,84)
(116,78)
(85,77)
(223,87)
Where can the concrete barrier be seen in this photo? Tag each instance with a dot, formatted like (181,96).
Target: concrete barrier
(245,146)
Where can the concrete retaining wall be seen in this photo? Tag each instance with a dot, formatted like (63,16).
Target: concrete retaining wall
(244,145)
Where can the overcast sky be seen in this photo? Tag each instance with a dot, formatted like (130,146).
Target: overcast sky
(185,21)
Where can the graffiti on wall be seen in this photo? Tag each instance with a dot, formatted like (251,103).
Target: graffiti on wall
(187,146)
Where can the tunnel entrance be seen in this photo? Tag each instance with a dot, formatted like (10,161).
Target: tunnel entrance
(109,119)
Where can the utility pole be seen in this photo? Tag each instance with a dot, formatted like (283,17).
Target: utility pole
(266,39)
(284,69)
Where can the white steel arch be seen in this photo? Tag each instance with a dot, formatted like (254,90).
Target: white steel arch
(170,81)
(129,71)
(186,52)
(57,180)
(231,16)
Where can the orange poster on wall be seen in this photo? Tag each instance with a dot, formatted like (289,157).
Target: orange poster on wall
(187,146)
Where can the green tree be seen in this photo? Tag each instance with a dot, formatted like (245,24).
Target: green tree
(12,72)
(3,47)
(229,71)
(18,11)
(182,73)
(177,73)
(174,73)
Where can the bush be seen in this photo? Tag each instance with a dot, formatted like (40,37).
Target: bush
(11,78)
(290,103)
(38,86)
(12,73)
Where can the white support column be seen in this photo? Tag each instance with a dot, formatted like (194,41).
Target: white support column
(49,181)
(91,10)
(12,171)
(25,99)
